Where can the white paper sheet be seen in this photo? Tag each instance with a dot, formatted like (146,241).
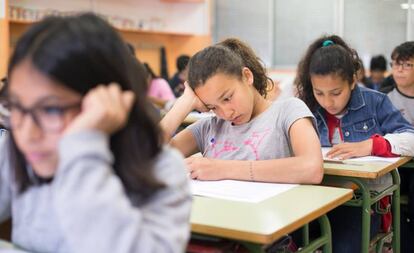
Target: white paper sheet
(238,190)
(363,159)
(198,115)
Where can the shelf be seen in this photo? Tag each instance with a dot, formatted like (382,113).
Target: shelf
(28,22)
(183,1)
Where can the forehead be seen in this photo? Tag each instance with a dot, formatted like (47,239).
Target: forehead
(29,84)
(403,59)
(216,86)
(328,82)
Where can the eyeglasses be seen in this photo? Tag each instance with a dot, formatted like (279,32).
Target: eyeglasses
(49,118)
(404,65)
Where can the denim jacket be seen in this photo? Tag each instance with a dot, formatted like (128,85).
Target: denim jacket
(368,112)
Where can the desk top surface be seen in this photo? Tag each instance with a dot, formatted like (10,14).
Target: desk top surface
(363,170)
(268,220)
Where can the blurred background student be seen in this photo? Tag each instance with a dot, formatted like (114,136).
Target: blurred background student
(362,79)
(159,92)
(377,68)
(177,81)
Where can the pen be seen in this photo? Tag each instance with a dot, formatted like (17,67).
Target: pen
(212,141)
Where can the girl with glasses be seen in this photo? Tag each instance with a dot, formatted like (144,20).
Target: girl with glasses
(83,168)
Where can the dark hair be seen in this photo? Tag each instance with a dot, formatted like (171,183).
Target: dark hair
(182,62)
(378,63)
(131,48)
(324,58)
(403,52)
(227,57)
(82,52)
(150,71)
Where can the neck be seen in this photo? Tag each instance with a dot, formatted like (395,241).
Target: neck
(407,90)
(260,104)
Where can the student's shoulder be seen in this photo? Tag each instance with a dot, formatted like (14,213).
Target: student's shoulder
(368,93)
(289,103)
(169,166)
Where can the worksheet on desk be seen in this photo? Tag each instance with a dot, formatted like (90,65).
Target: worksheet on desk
(363,159)
(238,190)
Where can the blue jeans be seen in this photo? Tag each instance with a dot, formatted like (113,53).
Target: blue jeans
(346,224)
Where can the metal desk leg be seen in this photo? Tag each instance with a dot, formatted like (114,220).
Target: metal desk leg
(324,241)
(366,213)
(305,235)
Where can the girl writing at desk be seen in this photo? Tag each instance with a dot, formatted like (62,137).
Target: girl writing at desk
(355,121)
(250,138)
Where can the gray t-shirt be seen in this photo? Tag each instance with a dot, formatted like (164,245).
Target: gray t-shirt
(403,103)
(263,138)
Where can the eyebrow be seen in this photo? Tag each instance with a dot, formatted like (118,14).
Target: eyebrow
(220,97)
(223,94)
(41,100)
(328,91)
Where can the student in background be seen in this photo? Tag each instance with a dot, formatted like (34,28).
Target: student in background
(87,170)
(362,79)
(402,66)
(354,120)
(159,91)
(177,81)
(377,68)
(250,138)
(402,96)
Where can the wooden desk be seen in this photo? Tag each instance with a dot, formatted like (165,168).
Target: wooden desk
(363,170)
(356,174)
(264,222)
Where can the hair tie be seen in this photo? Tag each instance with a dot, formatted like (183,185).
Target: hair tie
(327,43)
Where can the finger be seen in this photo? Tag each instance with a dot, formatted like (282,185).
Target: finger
(187,85)
(194,174)
(346,154)
(128,98)
(336,153)
(189,160)
(189,168)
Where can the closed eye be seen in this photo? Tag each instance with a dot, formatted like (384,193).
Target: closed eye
(227,99)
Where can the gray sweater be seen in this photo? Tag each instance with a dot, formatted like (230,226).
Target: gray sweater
(86,208)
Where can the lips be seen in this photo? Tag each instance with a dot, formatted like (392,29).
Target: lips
(35,157)
(236,119)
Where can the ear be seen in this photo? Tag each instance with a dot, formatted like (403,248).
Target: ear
(247,76)
(354,82)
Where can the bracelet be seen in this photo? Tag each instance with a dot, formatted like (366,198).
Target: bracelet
(251,170)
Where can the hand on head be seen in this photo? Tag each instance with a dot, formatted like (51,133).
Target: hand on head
(104,108)
(197,103)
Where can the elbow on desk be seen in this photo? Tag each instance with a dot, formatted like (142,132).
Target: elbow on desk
(315,169)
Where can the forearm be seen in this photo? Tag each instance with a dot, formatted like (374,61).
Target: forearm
(304,170)
(172,120)
(401,143)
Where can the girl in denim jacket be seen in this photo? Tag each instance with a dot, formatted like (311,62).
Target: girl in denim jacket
(354,120)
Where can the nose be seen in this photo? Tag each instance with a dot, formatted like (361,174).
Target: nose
(225,113)
(327,102)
